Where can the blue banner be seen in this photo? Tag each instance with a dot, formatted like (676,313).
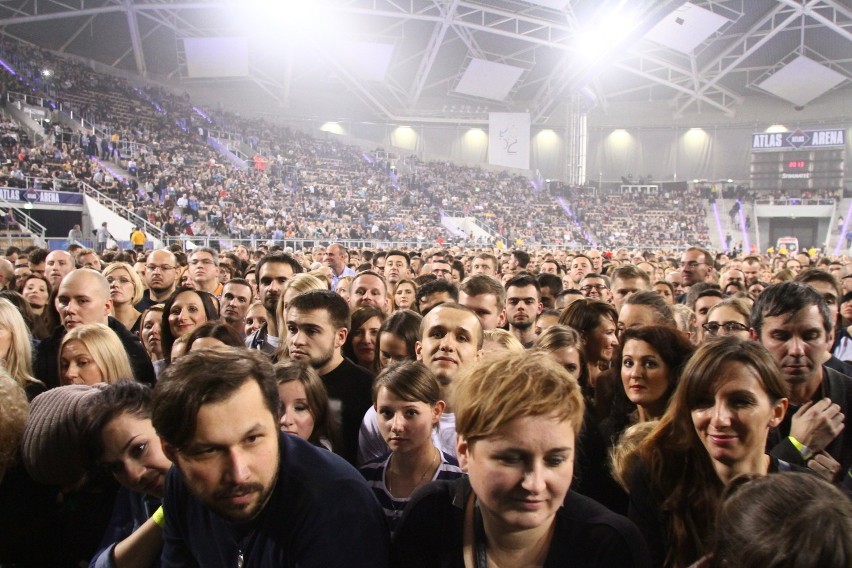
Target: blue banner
(40,196)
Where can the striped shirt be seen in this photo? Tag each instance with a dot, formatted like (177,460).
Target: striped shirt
(374,473)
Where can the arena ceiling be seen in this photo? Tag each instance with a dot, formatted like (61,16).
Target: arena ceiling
(454,60)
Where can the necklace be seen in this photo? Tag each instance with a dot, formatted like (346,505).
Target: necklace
(422,475)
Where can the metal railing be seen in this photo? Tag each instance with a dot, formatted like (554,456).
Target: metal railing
(119,209)
(30,228)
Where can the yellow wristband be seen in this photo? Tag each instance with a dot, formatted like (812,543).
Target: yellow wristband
(807,453)
(159,517)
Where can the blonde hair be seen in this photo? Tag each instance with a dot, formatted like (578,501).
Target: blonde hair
(623,456)
(138,287)
(737,304)
(15,407)
(18,362)
(511,385)
(106,350)
(684,318)
(505,339)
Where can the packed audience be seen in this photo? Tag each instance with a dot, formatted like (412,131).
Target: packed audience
(309,188)
(588,402)
(403,407)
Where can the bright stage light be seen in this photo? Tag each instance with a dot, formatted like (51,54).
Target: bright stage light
(604,32)
(333,128)
(286,19)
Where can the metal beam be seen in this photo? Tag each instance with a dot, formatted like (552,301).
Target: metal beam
(432,49)
(741,42)
(135,39)
(76,34)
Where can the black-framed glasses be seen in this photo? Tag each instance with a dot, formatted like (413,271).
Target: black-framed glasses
(589,287)
(713,327)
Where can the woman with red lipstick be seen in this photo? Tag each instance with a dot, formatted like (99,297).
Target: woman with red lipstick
(362,342)
(517,420)
(730,395)
(408,404)
(651,362)
(121,440)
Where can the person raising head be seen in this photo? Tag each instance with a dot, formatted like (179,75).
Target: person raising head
(518,416)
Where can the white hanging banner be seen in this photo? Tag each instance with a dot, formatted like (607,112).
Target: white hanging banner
(509,139)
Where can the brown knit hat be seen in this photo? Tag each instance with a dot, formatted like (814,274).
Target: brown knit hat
(52,449)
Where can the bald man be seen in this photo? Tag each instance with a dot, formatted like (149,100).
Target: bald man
(83,298)
(58,264)
(160,278)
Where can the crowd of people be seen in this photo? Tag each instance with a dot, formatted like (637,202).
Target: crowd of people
(441,406)
(307,187)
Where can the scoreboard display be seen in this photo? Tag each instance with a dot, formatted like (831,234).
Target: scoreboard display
(798,160)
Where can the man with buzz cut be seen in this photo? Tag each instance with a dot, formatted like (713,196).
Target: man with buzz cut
(451,339)
(84,298)
(397,264)
(204,270)
(160,278)
(317,325)
(241,492)
(523,304)
(485,296)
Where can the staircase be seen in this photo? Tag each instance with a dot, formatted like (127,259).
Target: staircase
(24,232)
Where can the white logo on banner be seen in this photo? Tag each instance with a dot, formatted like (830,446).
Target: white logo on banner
(509,140)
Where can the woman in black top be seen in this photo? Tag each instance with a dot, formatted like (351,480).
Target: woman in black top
(730,395)
(517,419)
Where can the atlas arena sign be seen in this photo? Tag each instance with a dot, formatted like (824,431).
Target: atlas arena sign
(798,140)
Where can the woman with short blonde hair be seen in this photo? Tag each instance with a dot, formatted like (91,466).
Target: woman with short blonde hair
(125,291)
(518,417)
(93,353)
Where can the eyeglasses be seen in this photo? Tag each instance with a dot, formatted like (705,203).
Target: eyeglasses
(713,327)
(693,264)
(160,267)
(590,287)
(204,261)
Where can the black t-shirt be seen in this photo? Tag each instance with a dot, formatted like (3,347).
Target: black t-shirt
(586,534)
(349,389)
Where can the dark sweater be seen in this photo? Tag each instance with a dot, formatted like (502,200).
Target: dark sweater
(46,359)
(321,513)
(586,533)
